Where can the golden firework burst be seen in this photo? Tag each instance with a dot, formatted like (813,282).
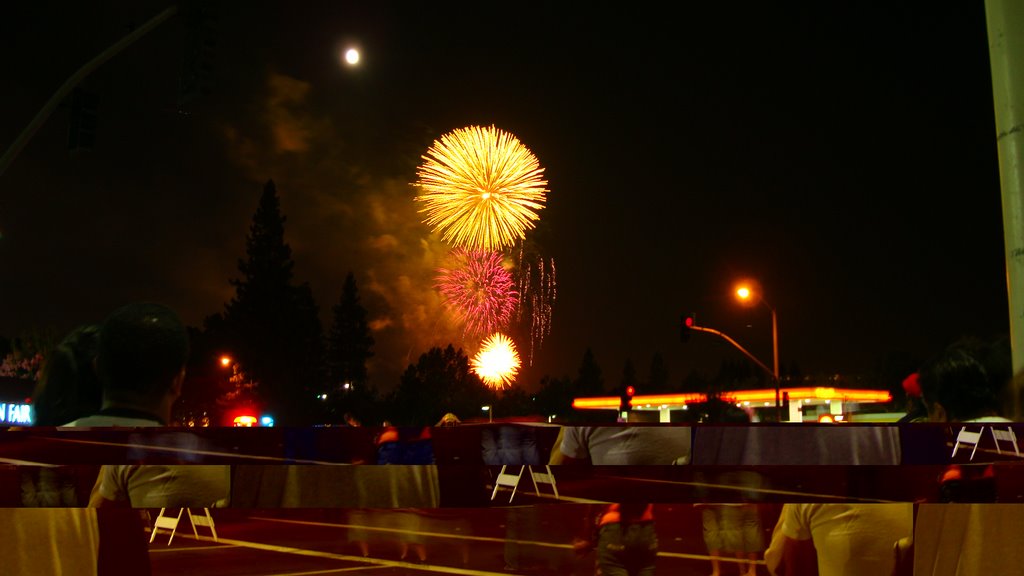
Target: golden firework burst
(481,188)
(497,362)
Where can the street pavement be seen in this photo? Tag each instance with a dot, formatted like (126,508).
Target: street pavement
(529,540)
(466,483)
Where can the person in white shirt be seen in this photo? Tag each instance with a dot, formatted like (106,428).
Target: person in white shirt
(849,539)
(49,541)
(141,354)
(630,445)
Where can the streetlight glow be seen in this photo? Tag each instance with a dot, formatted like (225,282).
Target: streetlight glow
(749,293)
(225,361)
(352,56)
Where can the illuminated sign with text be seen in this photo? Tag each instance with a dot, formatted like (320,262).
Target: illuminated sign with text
(15,414)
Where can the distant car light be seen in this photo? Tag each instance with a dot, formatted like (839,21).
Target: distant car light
(244,421)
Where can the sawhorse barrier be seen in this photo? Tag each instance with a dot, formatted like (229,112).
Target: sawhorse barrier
(168,522)
(509,480)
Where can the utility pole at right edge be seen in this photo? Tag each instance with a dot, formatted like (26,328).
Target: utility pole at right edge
(1005,23)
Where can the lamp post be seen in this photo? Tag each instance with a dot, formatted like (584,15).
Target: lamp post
(490,413)
(745,293)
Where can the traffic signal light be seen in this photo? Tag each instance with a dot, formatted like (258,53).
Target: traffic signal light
(200,52)
(625,398)
(82,129)
(686,323)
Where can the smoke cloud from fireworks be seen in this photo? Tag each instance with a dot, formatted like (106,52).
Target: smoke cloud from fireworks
(340,218)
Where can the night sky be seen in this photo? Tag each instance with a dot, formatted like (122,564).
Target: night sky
(844,157)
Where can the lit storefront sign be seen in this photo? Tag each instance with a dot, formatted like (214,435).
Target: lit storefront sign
(819,394)
(15,414)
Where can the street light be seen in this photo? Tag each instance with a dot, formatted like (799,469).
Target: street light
(490,413)
(749,292)
(225,361)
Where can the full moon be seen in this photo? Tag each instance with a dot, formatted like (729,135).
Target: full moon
(352,56)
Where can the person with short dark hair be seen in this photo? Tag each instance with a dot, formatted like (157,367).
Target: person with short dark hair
(141,354)
(140,359)
(966,381)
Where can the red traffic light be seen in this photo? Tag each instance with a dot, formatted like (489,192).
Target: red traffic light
(630,391)
(685,326)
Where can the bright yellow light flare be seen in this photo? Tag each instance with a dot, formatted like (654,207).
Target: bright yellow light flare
(225,361)
(748,291)
(352,56)
(481,188)
(497,362)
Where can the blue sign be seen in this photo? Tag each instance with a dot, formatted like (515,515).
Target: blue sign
(15,414)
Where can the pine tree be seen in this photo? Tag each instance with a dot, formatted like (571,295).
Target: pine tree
(271,325)
(442,381)
(349,346)
(555,396)
(589,382)
(657,379)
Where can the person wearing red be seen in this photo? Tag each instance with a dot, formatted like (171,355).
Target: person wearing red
(626,542)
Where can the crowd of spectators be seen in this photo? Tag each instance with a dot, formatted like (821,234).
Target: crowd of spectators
(128,371)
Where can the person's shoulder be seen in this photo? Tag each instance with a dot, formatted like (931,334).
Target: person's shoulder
(102,421)
(985,419)
(802,511)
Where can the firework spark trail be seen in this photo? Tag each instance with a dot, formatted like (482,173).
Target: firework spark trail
(537,293)
(478,290)
(545,301)
(524,280)
(481,188)
(497,363)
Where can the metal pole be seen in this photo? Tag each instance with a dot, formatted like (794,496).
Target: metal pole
(775,365)
(1005,23)
(73,81)
(736,344)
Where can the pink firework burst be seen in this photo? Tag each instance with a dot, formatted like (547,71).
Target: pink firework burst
(478,290)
